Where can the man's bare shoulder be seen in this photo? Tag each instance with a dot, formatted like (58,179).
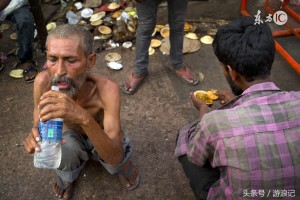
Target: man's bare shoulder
(42,81)
(104,83)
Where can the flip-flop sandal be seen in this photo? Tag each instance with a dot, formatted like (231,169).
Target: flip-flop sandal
(186,75)
(134,84)
(128,174)
(64,187)
(26,72)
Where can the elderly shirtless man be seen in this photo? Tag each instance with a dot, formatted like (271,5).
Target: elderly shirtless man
(90,106)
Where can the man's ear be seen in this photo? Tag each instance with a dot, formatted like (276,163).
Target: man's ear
(233,74)
(91,61)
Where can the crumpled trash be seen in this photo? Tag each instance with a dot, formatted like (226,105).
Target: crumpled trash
(72,17)
(11,7)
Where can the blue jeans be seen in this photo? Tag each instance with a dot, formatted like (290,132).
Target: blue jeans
(24,22)
(147,11)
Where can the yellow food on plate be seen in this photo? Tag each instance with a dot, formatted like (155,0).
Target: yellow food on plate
(207,96)
(212,95)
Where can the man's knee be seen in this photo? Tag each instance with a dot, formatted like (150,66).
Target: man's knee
(73,153)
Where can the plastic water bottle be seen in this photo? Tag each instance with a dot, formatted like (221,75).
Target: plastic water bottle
(50,133)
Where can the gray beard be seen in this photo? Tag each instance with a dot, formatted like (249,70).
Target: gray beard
(74,85)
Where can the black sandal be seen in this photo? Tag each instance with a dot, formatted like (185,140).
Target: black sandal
(26,72)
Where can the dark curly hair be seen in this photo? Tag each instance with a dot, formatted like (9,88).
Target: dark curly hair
(249,49)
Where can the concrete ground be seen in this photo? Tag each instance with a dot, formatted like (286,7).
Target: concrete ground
(151,118)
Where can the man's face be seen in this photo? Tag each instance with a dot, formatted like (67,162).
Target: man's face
(67,65)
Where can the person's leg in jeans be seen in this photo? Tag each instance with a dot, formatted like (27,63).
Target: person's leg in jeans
(176,17)
(200,178)
(23,19)
(24,22)
(146,10)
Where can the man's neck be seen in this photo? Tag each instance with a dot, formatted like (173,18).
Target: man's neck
(246,85)
(82,91)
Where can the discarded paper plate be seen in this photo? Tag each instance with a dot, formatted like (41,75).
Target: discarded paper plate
(13,36)
(97,16)
(112,57)
(97,23)
(127,44)
(129,9)
(187,27)
(191,36)
(165,32)
(4,27)
(16,73)
(131,27)
(86,13)
(114,65)
(151,51)
(51,26)
(116,14)
(113,6)
(207,39)
(155,43)
(104,30)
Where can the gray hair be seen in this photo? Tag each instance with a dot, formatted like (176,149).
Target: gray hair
(69,31)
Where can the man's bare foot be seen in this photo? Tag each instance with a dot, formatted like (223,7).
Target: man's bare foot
(63,189)
(129,176)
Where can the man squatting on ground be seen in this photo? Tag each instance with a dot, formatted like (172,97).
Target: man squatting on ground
(252,142)
(88,102)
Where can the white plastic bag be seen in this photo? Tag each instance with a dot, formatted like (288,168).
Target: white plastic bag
(12,6)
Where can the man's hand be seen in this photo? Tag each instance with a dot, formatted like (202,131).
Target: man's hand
(30,143)
(225,96)
(200,105)
(55,104)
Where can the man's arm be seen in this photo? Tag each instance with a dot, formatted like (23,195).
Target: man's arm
(108,142)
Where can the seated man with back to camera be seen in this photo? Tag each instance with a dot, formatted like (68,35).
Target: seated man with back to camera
(88,102)
(248,148)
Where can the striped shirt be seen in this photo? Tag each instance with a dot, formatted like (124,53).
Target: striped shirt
(255,143)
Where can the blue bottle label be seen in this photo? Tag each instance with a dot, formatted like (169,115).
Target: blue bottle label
(51,130)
